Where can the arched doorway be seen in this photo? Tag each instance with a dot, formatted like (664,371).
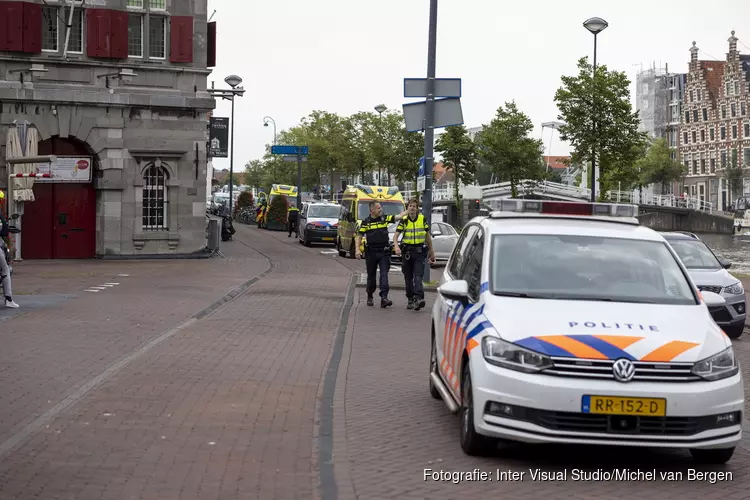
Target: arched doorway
(61,222)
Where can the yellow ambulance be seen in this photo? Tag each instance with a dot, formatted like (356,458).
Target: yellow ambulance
(276,190)
(355,208)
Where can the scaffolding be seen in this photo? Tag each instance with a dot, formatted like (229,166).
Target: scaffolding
(653,100)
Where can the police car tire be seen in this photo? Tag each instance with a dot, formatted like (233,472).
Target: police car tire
(433,369)
(472,443)
(735,332)
(712,457)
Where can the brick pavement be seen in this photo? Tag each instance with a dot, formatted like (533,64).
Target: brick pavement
(220,408)
(388,429)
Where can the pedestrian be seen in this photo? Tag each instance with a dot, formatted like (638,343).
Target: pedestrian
(4,265)
(416,233)
(377,250)
(293,220)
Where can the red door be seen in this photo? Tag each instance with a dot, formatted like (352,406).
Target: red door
(61,223)
(74,221)
(36,224)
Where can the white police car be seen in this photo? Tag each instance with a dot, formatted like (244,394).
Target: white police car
(561,322)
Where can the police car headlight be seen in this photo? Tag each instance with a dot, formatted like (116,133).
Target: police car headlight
(735,289)
(718,366)
(507,355)
(309,226)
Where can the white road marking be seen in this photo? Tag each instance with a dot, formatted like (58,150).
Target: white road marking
(99,287)
(123,275)
(329,252)
(90,290)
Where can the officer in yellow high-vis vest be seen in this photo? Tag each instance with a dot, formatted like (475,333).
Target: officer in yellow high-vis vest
(416,245)
(293,220)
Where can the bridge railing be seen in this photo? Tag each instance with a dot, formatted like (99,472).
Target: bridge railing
(660,200)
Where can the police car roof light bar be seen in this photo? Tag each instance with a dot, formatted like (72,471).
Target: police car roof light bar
(567,208)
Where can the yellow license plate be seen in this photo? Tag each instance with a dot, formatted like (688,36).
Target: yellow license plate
(615,405)
(328,238)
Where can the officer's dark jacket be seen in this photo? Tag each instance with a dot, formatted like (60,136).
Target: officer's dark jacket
(376,230)
(4,228)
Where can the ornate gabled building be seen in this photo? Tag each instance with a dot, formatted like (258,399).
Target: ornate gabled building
(715,124)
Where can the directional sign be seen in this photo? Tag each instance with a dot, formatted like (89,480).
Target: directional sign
(293,158)
(447,112)
(444,87)
(421,167)
(289,150)
(420,183)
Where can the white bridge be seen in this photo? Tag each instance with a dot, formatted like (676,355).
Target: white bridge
(567,192)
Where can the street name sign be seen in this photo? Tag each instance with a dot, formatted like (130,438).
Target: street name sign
(448,112)
(294,158)
(289,150)
(444,87)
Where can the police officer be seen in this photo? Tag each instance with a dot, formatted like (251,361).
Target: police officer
(416,232)
(293,217)
(4,266)
(378,250)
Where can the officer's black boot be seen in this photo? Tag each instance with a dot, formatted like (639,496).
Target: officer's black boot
(410,305)
(370,301)
(419,304)
(385,302)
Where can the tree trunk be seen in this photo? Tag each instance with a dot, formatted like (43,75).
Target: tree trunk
(455,193)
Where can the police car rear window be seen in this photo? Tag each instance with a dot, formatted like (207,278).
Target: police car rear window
(587,268)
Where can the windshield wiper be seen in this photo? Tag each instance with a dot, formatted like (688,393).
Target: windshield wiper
(522,295)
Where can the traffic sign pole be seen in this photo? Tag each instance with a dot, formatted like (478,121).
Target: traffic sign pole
(429,130)
(299,184)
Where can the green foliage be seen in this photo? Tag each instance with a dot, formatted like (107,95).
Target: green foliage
(245,199)
(506,147)
(598,117)
(459,156)
(734,176)
(657,166)
(277,210)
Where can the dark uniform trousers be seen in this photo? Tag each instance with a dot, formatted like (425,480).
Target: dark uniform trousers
(293,221)
(378,258)
(412,265)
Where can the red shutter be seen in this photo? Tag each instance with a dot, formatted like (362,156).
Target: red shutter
(32,28)
(118,35)
(211,45)
(181,39)
(97,29)
(11,26)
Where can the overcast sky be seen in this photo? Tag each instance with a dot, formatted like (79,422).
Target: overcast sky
(346,56)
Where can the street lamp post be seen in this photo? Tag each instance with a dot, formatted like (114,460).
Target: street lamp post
(554,126)
(267,119)
(233,81)
(380,108)
(595,25)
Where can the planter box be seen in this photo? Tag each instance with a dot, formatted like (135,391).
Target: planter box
(276,226)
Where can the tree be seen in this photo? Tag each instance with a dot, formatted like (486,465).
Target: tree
(599,118)
(734,176)
(459,156)
(506,147)
(658,167)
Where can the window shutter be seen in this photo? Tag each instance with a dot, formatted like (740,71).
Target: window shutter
(181,39)
(97,28)
(11,26)
(32,28)
(211,45)
(118,34)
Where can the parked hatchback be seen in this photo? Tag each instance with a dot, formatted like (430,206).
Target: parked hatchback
(709,273)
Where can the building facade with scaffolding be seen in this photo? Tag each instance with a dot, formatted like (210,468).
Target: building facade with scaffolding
(715,127)
(114,92)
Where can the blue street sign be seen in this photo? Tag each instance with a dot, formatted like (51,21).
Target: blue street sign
(289,150)
(421,167)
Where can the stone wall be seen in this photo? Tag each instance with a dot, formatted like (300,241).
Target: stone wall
(693,221)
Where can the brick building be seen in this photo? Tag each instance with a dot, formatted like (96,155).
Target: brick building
(715,124)
(120,98)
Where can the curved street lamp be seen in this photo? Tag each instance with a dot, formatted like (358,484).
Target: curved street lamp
(233,81)
(595,25)
(267,119)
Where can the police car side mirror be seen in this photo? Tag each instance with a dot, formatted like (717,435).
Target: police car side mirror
(726,264)
(713,299)
(435,233)
(455,290)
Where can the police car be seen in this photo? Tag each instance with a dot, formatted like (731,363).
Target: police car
(560,322)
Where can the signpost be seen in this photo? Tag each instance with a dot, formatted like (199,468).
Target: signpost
(444,87)
(293,153)
(447,112)
(420,176)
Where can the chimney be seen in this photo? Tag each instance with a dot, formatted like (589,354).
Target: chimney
(693,56)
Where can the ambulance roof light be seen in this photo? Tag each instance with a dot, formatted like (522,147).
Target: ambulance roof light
(543,207)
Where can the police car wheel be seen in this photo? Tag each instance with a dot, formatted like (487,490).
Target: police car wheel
(433,369)
(472,443)
(735,332)
(712,457)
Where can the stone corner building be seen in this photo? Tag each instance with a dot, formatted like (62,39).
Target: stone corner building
(120,98)
(715,126)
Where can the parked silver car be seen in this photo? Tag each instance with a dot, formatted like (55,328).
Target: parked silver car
(444,239)
(710,274)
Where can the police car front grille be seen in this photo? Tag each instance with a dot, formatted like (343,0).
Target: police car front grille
(602,369)
(706,288)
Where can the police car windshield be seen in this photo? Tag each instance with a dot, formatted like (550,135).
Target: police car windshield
(389,208)
(587,268)
(694,254)
(324,211)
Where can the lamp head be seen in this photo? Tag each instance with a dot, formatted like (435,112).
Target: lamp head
(595,25)
(380,108)
(233,80)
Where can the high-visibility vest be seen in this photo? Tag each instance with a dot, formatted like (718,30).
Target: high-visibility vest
(415,232)
(293,209)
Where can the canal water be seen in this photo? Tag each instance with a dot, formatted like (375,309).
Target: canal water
(731,248)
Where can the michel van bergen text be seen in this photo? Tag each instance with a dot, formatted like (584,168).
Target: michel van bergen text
(577,475)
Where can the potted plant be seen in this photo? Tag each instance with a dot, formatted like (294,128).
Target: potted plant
(277,213)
